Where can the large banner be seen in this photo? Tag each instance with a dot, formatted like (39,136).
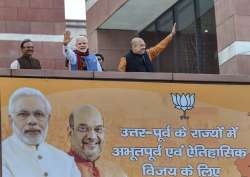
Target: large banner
(152,128)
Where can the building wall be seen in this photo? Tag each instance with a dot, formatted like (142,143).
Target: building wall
(90,3)
(101,11)
(42,20)
(232,28)
(232,20)
(194,48)
(76,28)
(112,44)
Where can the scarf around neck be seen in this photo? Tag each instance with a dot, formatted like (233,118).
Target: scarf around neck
(80,59)
(91,165)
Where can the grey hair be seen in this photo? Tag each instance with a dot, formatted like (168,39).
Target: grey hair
(26,91)
(81,37)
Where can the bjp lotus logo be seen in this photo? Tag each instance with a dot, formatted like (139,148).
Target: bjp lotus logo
(183,102)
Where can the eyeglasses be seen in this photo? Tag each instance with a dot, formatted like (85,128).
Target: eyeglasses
(85,129)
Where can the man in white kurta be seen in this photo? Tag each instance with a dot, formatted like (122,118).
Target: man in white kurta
(20,160)
(25,153)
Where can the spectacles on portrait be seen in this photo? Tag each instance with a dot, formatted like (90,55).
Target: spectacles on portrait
(83,128)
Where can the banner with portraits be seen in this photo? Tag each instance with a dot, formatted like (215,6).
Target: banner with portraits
(153,128)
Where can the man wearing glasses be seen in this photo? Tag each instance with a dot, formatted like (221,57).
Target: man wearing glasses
(26,61)
(25,153)
(86,131)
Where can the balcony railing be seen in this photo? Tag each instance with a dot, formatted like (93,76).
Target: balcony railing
(142,77)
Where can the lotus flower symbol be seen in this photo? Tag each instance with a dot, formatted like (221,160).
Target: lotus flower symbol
(183,102)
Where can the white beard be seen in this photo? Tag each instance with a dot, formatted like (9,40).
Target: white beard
(29,141)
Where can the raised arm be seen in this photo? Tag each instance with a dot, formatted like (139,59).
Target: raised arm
(122,65)
(67,38)
(153,52)
(67,51)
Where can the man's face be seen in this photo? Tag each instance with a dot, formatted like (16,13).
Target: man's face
(139,47)
(82,44)
(30,119)
(28,49)
(88,135)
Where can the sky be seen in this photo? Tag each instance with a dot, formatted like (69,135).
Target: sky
(75,9)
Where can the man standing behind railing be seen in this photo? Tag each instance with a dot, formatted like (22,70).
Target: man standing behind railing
(26,61)
(80,59)
(138,59)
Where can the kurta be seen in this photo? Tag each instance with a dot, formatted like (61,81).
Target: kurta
(21,160)
(90,60)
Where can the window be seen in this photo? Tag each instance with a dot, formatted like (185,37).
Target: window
(194,48)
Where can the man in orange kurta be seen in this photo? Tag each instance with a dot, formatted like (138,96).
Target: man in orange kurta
(86,130)
(138,59)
